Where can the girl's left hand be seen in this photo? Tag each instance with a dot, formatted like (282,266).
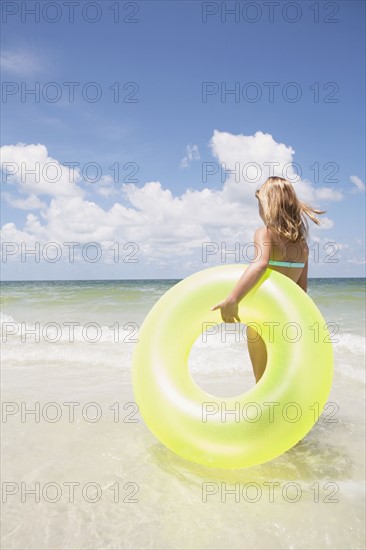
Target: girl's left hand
(229,310)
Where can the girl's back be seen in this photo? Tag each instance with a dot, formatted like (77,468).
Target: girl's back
(282,251)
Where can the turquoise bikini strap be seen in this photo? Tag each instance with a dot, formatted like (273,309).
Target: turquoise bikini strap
(286,264)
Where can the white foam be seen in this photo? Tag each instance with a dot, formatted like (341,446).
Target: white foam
(352,343)
(222,353)
(4,318)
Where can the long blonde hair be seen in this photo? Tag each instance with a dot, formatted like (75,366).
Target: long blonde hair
(283,212)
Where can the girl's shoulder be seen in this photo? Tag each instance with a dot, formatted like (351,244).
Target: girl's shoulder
(275,239)
(266,232)
(264,229)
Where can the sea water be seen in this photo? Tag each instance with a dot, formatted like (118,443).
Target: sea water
(80,469)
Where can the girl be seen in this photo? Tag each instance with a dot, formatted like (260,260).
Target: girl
(281,245)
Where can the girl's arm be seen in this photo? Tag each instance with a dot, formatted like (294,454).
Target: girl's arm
(303,280)
(229,307)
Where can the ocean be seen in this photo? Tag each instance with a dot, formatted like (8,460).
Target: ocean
(81,470)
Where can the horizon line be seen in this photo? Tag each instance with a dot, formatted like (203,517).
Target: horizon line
(156,279)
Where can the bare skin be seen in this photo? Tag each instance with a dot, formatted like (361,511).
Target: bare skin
(270,248)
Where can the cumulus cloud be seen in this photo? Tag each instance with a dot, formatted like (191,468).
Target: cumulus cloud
(31,170)
(249,160)
(192,154)
(29,203)
(328,194)
(105,186)
(167,228)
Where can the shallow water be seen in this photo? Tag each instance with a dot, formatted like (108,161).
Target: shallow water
(140,494)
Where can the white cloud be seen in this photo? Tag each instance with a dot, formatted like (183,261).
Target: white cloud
(192,154)
(325,223)
(30,203)
(251,159)
(328,194)
(359,184)
(20,62)
(165,227)
(30,170)
(105,187)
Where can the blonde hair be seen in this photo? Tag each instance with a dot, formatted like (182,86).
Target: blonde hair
(283,212)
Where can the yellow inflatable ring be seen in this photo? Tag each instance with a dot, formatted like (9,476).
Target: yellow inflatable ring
(269,418)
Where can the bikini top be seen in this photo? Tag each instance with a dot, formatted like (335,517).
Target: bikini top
(286,264)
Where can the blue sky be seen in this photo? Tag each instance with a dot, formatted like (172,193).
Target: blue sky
(164,141)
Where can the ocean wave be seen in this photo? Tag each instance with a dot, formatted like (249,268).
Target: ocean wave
(112,346)
(353,343)
(5,318)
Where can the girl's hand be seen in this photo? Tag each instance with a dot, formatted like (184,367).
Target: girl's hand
(229,310)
